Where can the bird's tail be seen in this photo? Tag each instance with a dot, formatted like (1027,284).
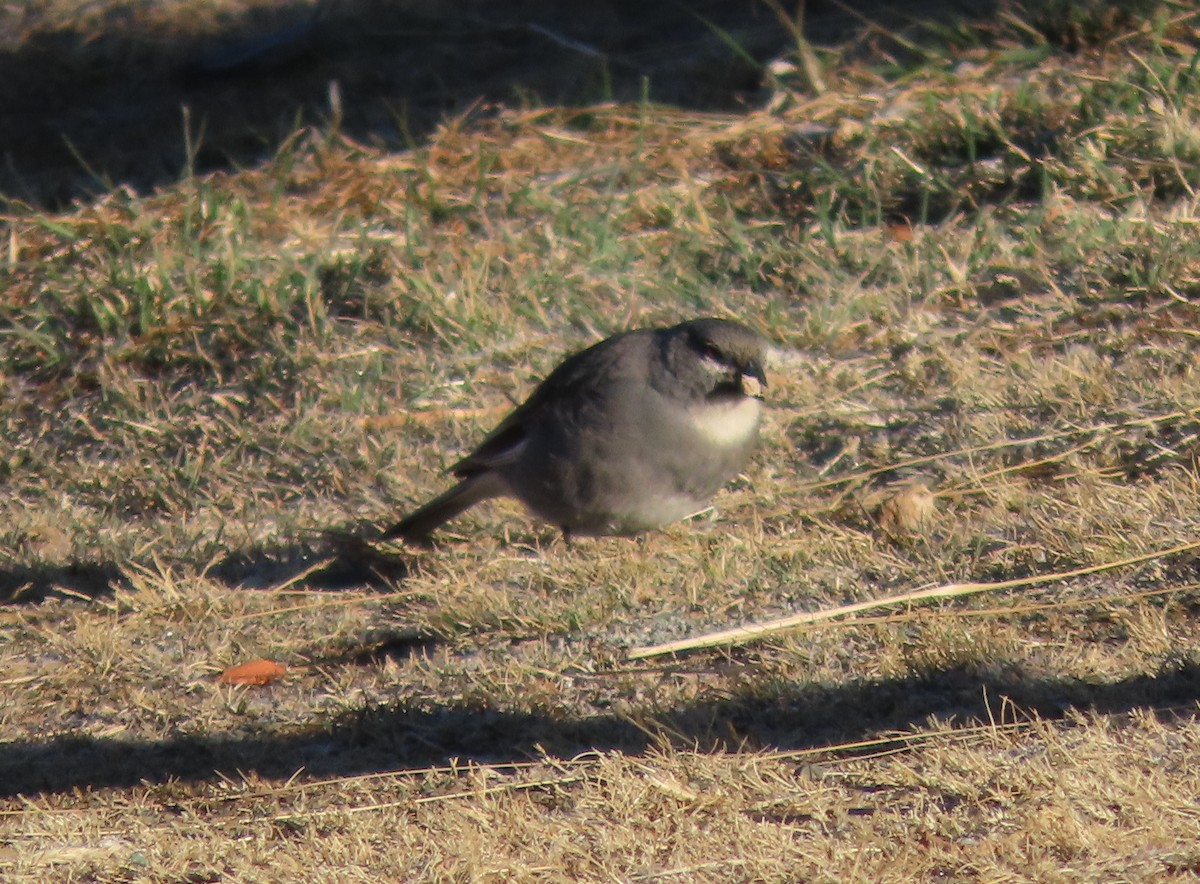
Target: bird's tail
(417,526)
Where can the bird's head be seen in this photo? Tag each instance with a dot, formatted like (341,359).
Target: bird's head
(728,356)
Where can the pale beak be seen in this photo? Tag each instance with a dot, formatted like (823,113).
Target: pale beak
(754,382)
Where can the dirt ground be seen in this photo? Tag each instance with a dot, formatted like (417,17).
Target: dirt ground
(232,350)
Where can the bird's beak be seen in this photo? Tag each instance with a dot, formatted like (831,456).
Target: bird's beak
(754,381)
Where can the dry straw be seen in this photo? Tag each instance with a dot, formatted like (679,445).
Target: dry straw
(744,634)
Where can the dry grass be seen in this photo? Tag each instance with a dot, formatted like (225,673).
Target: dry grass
(978,258)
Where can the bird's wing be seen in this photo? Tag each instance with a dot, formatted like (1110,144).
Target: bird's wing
(502,446)
(571,382)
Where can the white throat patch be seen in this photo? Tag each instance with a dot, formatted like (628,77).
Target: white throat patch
(727,424)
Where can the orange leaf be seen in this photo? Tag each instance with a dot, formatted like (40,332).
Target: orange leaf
(258,671)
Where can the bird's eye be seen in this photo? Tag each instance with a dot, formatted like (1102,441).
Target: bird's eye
(712,352)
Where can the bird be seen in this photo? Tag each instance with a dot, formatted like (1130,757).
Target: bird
(630,434)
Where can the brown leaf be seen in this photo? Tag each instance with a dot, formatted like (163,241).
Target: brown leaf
(259,671)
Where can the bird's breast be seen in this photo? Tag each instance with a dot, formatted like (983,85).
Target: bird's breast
(727,424)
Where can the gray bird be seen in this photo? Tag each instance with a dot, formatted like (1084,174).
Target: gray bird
(632,433)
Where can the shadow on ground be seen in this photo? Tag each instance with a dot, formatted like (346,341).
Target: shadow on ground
(333,561)
(102,105)
(386,739)
(30,584)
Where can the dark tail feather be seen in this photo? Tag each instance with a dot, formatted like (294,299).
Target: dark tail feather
(416,527)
